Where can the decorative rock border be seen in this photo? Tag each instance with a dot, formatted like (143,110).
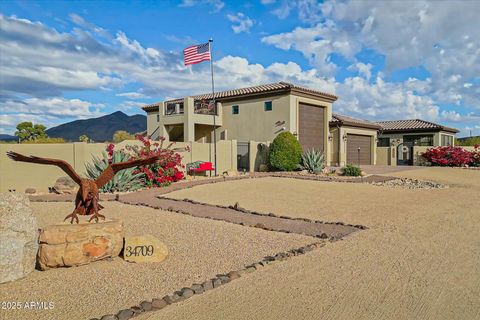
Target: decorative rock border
(406,183)
(199,288)
(237,208)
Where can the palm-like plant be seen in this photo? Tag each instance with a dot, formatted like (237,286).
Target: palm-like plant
(125,180)
(313,161)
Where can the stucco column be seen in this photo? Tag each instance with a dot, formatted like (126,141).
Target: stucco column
(234,154)
(342,151)
(189,123)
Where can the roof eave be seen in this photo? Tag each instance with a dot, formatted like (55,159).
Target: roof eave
(328,97)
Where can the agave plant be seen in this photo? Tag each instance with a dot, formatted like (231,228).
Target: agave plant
(313,161)
(125,180)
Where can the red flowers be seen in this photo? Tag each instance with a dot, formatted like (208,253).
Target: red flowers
(110,149)
(452,156)
(163,172)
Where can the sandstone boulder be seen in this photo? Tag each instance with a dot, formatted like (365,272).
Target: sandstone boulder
(146,248)
(18,237)
(65,185)
(67,245)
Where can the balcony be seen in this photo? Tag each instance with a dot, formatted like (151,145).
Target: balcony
(172,108)
(204,107)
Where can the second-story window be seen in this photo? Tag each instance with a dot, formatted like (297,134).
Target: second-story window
(235,110)
(268,106)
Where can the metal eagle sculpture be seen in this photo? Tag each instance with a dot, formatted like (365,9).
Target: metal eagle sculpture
(86,201)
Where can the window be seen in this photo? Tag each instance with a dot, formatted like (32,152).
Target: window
(268,106)
(235,110)
(383,142)
(447,140)
(419,140)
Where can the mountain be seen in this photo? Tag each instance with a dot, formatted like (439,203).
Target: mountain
(7,137)
(100,129)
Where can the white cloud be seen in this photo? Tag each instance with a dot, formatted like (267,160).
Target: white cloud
(308,10)
(363,69)
(49,111)
(55,107)
(241,22)
(382,100)
(217,5)
(267,1)
(132,95)
(316,44)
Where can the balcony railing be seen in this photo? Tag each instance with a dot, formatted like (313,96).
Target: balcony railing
(173,109)
(204,107)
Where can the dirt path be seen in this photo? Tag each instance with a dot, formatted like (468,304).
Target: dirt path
(419,259)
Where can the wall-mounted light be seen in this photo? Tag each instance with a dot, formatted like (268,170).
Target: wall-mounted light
(344,137)
(330,137)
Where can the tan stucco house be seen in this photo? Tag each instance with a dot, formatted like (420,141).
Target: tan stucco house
(259,113)
(404,135)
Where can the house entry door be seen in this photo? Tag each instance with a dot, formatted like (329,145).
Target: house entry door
(405,153)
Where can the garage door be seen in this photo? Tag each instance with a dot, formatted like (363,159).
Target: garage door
(354,142)
(311,126)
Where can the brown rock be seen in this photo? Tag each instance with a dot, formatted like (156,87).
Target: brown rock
(158,304)
(197,288)
(30,190)
(69,245)
(207,285)
(146,305)
(125,314)
(65,185)
(233,275)
(187,293)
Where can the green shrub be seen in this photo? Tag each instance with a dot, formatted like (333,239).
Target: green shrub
(351,170)
(125,180)
(313,161)
(470,142)
(285,152)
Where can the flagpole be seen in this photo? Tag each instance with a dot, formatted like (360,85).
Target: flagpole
(214,109)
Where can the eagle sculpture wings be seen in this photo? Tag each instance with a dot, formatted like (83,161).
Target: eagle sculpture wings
(86,201)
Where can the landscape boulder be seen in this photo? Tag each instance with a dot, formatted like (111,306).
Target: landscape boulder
(65,185)
(67,245)
(18,237)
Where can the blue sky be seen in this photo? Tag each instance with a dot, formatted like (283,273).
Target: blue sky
(66,60)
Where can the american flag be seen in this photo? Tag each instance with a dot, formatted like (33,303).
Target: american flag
(196,54)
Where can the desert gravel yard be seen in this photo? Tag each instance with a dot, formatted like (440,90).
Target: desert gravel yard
(198,250)
(419,259)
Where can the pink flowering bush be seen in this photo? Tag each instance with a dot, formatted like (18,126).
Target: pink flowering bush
(476,156)
(163,172)
(452,156)
(166,170)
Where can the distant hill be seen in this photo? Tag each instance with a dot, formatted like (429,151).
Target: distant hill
(466,138)
(7,137)
(100,129)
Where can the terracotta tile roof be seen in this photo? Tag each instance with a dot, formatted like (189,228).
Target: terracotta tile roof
(265,88)
(338,119)
(413,125)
